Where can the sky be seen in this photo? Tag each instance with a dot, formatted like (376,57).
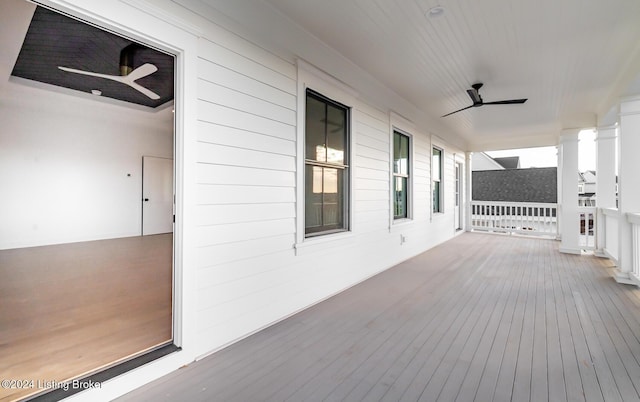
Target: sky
(547,156)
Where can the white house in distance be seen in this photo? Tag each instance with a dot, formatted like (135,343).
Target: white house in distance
(587,188)
(482,161)
(190,172)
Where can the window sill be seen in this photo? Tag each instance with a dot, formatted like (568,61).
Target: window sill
(321,242)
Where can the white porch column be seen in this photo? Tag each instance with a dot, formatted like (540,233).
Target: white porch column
(628,183)
(559,192)
(468,196)
(605,180)
(568,194)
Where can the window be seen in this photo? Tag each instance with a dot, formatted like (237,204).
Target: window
(401,167)
(436,174)
(326,165)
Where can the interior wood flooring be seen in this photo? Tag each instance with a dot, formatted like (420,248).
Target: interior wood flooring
(478,318)
(67,310)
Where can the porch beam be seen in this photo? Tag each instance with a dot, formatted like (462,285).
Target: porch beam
(569,192)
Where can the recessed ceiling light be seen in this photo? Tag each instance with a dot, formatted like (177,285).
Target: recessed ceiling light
(96,92)
(435,12)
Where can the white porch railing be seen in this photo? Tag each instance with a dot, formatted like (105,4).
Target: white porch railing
(515,217)
(610,227)
(587,234)
(634,220)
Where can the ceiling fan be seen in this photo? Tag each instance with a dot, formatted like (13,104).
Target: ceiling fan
(128,75)
(477,99)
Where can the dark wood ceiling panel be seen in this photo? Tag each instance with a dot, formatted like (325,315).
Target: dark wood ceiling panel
(57,40)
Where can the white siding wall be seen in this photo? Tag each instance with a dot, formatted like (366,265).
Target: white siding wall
(248,271)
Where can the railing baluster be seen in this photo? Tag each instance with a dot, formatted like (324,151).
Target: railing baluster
(514,217)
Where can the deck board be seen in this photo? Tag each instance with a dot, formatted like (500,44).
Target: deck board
(481,317)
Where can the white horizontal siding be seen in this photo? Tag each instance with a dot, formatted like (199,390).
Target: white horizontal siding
(248,271)
(372,174)
(233,156)
(221,214)
(234,232)
(268,70)
(247,266)
(220,254)
(214,93)
(362,183)
(239,119)
(234,194)
(234,137)
(215,73)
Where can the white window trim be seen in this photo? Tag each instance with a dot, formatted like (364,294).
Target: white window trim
(405,127)
(310,77)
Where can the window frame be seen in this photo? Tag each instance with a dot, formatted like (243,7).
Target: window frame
(408,176)
(309,76)
(440,181)
(345,167)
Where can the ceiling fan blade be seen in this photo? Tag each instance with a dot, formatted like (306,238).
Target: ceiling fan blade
(142,71)
(506,102)
(92,74)
(143,90)
(460,110)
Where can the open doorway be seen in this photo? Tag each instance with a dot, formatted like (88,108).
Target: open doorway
(81,289)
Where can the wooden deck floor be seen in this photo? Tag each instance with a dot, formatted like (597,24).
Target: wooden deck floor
(479,318)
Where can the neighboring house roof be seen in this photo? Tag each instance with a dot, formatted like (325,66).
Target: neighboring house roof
(516,185)
(509,162)
(589,176)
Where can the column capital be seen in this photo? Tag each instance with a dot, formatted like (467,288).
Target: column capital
(569,135)
(607,127)
(606,133)
(629,106)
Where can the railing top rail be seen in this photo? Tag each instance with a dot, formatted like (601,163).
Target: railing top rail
(517,204)
(633,217)
(610,211)
(587,209)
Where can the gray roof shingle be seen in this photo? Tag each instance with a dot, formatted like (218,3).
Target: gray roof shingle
(516,185)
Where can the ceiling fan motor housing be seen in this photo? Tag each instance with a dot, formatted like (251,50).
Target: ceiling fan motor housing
(126,59)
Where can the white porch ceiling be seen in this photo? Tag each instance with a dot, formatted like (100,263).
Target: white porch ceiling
(572,59)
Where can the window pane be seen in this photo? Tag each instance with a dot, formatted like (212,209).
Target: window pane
(400,197)
(437,154)
(315,130)
(436,196)
(400,154)
(313,197)
(333,197)
(324,199)
(336,133)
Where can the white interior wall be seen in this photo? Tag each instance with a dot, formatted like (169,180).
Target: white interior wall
(65,163)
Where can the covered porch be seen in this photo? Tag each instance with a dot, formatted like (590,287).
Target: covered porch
(480,317)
